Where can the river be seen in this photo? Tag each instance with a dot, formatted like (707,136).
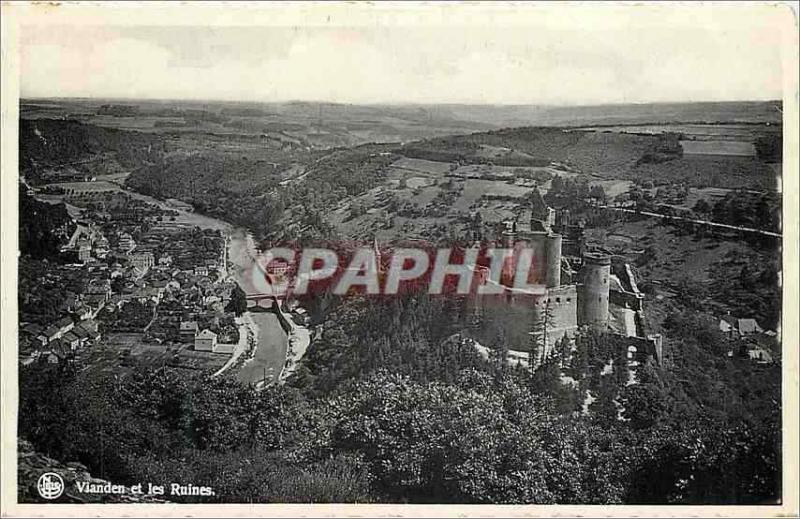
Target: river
(270,354)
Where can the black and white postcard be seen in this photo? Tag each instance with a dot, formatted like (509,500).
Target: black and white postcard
(399,259)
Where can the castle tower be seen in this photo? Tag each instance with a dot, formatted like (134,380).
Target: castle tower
(540,212)
(593,292)
(553,261)
(509,234)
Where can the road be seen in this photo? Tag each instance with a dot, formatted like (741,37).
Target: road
(699,222)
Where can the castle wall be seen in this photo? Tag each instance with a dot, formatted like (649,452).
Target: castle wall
(563,307)
(518,314)
(624,320)
(553,261)
(640,349)
(629,299)
(537,243)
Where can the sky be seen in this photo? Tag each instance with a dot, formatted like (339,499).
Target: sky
(549,56)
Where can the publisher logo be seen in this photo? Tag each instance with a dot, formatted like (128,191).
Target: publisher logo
(50,485)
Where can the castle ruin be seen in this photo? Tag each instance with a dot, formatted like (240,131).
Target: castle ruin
(585,288)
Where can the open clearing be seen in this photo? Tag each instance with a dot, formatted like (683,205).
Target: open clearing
(737,148)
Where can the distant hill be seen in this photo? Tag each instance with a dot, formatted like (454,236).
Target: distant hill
(605,154)
(424,120)
(527,115)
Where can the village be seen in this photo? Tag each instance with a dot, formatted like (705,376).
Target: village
(133,283)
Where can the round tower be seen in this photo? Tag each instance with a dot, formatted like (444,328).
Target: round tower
(553,261)
(509,234)
(593,293)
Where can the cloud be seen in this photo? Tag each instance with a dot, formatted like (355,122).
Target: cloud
(626,59)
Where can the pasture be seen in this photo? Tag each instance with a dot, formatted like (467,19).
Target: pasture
(735,148)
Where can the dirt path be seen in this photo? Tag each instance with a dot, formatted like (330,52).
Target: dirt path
(699,222)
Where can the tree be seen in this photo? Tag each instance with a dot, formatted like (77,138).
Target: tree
(702,206)
(238,302)
(539,334)
(598,193)
(442,443)
(498,354)
(643,405)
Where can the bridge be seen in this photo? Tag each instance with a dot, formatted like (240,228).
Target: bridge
(268,300)
(262,302)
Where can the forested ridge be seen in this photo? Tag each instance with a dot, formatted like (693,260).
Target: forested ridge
(47,143)
(390,407)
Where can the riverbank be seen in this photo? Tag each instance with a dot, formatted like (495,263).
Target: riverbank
(299,340)
(248,335)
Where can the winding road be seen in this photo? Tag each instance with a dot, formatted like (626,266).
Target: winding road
(699,222)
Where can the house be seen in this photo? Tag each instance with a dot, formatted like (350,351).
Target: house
(126,243)
(84,252)
(734,327)
(147,294)
(57,353)
(101,248)
(64,325)
(748,327)
(205,341)
(32,330)
(95,302)
(83,312)
(26,359)
(70,340)
(757,353)
(726,327)
(278,267)
(81,334)
(90,328)
(142,260)
(55,331)
(187,331)
(27,351)
(99,287)
(49,335)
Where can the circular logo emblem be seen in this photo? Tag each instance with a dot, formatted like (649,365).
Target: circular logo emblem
(50,485)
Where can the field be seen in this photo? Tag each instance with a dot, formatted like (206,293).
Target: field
(727,131)
(678,268)
(86,187)
(421,166)
(737,148)
(709,171)
(120,353)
